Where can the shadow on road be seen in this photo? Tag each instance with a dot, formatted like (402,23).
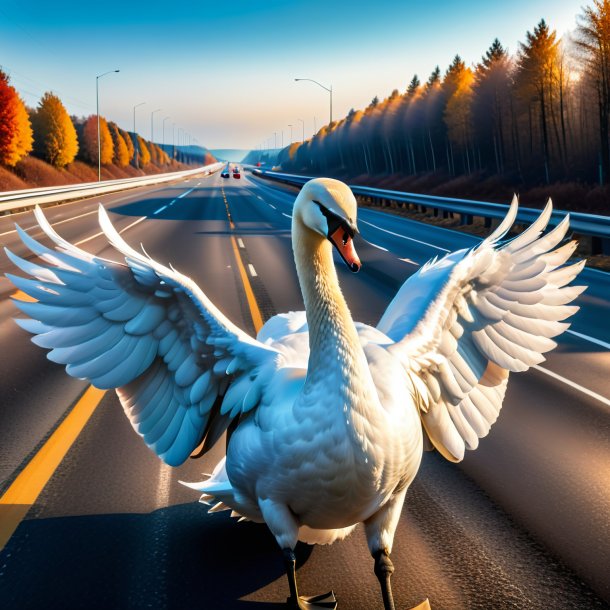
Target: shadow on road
(177,557)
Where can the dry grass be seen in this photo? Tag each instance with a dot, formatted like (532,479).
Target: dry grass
(32,172)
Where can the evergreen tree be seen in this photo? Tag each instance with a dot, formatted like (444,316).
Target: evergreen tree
(593,39)
(55,138)
(413,88)
(15,127)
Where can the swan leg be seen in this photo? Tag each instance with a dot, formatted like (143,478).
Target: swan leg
(297,602)
(379,529)
(384,568)
(284,526)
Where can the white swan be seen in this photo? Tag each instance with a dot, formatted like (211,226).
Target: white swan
(328,415)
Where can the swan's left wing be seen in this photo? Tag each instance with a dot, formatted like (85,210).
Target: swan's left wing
(181,369)
(462,323)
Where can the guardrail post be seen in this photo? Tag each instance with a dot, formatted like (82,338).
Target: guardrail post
(600,245)
(466,219)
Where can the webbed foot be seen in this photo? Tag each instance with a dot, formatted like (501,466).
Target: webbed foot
(326,600)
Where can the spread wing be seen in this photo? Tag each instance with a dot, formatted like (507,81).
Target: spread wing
(181,369)
(462,323)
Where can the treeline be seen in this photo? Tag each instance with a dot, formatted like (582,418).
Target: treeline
(540,116)
(51,134)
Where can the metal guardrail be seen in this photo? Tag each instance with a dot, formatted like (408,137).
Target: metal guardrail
(593,225)
(15,201)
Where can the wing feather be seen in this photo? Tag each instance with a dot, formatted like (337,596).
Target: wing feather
(463,323)
(143,329)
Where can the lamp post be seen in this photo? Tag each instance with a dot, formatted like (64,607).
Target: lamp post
(303,125)
(152,114)
(323,87)
(290,133)
(163,127)
(97,110)
(135,135)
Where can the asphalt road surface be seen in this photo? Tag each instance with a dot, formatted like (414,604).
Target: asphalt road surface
(523,522)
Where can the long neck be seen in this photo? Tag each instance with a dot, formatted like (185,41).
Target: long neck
(333,341)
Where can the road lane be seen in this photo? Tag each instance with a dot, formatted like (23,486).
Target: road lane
(111,495)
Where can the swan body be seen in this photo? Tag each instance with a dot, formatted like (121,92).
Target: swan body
(331,416)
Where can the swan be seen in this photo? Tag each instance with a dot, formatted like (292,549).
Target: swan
(326,419)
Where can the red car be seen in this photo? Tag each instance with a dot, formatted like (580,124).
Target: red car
(236,173)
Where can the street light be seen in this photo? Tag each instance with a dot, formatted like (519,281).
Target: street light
(135,135)
(303,124)
(323,87)
(290,133)
(165,119)
(97,110)
(152,139)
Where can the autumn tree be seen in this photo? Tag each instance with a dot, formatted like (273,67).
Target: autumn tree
(89,144)
(15,127)
(55,138)
(142,154)
(457,116)
(120,150)
(593,39)
(535,82)
(128,142)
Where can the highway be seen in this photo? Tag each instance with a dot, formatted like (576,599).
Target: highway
(523,522)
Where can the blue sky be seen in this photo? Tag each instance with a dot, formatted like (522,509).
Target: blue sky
(224,72)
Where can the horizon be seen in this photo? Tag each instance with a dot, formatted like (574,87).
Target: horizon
(226,76)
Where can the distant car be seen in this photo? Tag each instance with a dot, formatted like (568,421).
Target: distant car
(236,173)
(225,174)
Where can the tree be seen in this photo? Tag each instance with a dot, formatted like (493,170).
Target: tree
(128,142)
(15,127)
(55,138)
(143,152)
(457,115)
(413,87)
(593,39)
(491,105)
(120,150)
(535,82)
(89,144)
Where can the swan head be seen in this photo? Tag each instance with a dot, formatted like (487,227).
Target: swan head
(328,207)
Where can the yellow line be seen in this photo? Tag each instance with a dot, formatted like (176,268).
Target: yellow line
(26,488)
(255,312)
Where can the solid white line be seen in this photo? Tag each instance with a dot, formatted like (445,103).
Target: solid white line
(82,241)
(287,215)
(425,243)
(52,224)
(252,270)
(576,386)
(133,224)
(378,247)
(160,209)
(591,339)
(240,243)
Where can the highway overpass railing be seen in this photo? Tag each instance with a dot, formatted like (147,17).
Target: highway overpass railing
(593,225)
(18,201)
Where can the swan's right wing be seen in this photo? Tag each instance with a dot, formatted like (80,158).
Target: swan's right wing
(462,324)
(181,369)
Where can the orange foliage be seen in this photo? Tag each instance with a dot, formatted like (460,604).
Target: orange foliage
(15,128)
(90,141)
(143,154)
(55,137)
(121,152)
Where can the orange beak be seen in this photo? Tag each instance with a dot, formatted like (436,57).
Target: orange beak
(344,243)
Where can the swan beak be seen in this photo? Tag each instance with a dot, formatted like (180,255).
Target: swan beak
(343,241)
